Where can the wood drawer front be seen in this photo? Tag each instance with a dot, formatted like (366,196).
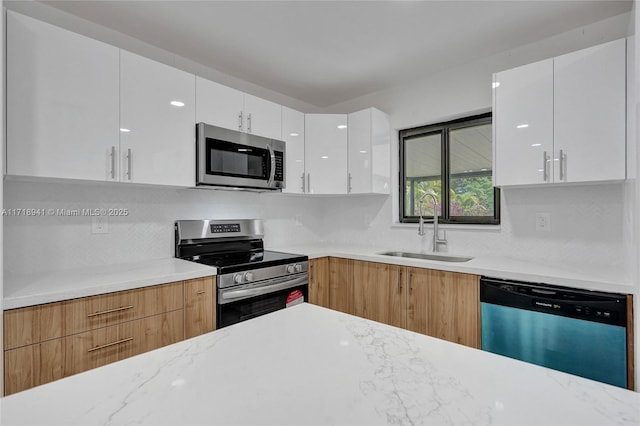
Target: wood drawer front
(33,365)
(199,307)
(91,349)
(94,312)
(26,326)
(103,346)
(151,333)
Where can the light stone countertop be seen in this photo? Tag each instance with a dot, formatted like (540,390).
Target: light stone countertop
(308,365)
(583,276)
(34,289)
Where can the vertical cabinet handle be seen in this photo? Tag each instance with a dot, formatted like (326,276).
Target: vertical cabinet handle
(410,284)
(249,123)
(309,182)
(113,162)
(399,280)
(303,182)
(561,165)
(310,274)
(240,121)
(545,165)
(129,161)
(348,183)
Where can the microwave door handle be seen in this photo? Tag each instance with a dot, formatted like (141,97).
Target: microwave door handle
(272,170)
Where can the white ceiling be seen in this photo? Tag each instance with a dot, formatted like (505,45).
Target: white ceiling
(327,52)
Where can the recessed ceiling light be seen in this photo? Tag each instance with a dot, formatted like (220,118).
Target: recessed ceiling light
(495,84)
(363,152)
(342,126)
(177,103)
(324,157)
(123,130)
(294,134)
(536,144)
(522,126)
(483,170)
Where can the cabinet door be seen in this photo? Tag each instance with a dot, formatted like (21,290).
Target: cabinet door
(62,102)
(589,114)
(319,282)
(326,153)
(157,108)
(445,305)
(199,306)
(379,292)
(341,285)
(33,365)
(219,105)
(523,124)
(293,135)
(263,118)
(380,152)
(360,152)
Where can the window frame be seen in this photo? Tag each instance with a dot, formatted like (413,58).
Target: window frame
(444,128)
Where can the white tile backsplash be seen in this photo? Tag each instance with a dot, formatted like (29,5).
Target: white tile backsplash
(587,223)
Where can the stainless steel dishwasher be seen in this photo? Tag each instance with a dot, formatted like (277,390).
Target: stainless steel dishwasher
(575,331)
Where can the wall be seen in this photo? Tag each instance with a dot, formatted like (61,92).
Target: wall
(58,242)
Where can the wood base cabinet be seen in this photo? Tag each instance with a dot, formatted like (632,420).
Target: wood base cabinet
(445,305)
(319,281)
(48,342)
(437,303)
(199,306)
(379,292)
(341,285)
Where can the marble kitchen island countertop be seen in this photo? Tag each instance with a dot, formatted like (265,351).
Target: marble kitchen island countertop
(308,365)
(583,276)
(34,289)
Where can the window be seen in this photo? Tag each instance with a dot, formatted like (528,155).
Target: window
(454,161)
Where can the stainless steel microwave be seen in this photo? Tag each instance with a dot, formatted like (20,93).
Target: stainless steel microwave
(229,158)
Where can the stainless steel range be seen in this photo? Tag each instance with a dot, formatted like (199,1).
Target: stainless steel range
(250,281)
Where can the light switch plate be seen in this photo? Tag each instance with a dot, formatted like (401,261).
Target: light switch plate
(543,222)
(99,225)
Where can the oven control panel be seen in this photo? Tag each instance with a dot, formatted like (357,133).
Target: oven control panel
(219,228)
(261,274)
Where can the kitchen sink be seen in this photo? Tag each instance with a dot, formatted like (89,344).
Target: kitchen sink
(426,256)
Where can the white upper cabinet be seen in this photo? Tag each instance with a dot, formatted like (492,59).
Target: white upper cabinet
(369,148)
(219,105)
(223,106)
(589,114)
(294,136)
(523,123)
(326,153)
(157,122)
(562,120)
(262,117)
(62,102)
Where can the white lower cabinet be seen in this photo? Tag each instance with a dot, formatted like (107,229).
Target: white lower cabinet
(326,152)
(62,102)
(157,122)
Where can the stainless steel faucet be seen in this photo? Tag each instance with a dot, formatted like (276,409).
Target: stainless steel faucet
(436,239)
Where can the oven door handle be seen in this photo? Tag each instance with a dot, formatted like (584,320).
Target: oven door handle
(258,291)
(272,171)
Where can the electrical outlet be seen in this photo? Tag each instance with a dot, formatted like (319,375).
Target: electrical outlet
(99,225)
(543,222)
